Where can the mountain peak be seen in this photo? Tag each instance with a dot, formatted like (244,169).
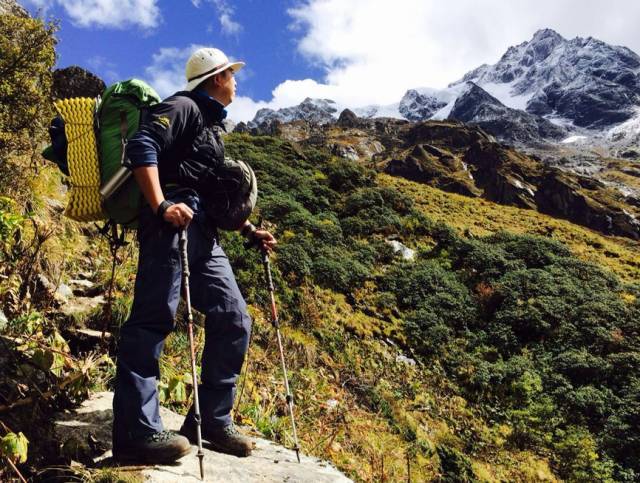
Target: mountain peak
(603,79)
(547,33)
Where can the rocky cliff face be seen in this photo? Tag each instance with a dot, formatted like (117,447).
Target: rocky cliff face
(477,106)
(458,158)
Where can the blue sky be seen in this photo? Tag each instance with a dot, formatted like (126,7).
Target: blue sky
(357,52)
(263,39)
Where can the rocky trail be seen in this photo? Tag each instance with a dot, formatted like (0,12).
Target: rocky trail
(87,430)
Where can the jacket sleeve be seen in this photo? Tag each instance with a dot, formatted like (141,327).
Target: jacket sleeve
(161,127)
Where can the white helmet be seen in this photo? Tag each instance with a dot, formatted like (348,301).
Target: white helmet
(206,62)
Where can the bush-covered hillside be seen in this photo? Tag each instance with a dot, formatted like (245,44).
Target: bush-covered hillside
(530,335)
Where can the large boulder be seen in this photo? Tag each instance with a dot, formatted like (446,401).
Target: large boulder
(347,119)
(75,81)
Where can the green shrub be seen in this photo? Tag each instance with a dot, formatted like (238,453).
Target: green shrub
(337,270)
(577,459)
(345,176)
(454,466)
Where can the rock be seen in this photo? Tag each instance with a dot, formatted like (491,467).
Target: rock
(331,404)
(82,287)
(229,126)
(64,291)
(85,435)
(241,127)
(81,305)
(11,7)
(75,81)
(405,360)
(630,154)
(43,283)
(81,283)
(450,134)
(503,174)
(581,201)
(346,152)
(55,205)
(427,164)
(3,321)
(347,119)
(405,252)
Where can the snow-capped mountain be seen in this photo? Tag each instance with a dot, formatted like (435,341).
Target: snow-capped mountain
(585,81)
(587,88)
(317,111)
(419,104)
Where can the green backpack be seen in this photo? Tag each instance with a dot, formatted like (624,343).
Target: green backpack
(119,118)
(112,193)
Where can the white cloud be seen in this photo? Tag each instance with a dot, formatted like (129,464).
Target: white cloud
(106,13)
(107,68)
(372,51)
(244,108)
(225,12)
(167,71)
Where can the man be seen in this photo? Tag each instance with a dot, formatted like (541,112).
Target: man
(175,139)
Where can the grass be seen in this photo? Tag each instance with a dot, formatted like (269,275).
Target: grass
(479,217)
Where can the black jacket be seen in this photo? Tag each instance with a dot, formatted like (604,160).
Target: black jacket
(182,136)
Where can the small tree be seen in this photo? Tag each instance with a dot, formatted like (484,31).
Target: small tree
(28,55)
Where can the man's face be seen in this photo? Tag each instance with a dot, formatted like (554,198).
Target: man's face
(225,87)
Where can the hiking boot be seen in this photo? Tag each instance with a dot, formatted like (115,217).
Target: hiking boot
(224,439)
(157,448)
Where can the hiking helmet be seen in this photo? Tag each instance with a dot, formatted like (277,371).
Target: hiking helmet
(205,63)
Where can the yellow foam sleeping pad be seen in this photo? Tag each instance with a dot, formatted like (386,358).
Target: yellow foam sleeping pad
(85,202)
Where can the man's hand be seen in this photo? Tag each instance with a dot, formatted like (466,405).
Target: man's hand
(179,215)
(264,240)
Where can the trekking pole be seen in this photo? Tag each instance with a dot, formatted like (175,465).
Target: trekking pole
(187,297)
(276,324)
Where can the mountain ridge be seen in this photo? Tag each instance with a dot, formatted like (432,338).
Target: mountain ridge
(577,84)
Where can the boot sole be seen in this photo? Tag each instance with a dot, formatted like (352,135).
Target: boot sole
(158,457)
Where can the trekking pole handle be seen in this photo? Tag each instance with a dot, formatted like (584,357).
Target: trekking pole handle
(182,245)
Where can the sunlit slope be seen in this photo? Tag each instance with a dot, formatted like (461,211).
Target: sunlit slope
(480,217)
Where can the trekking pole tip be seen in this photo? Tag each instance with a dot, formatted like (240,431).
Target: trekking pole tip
(298,454)
(200,457)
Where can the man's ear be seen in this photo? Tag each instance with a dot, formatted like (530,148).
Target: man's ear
(216,80)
